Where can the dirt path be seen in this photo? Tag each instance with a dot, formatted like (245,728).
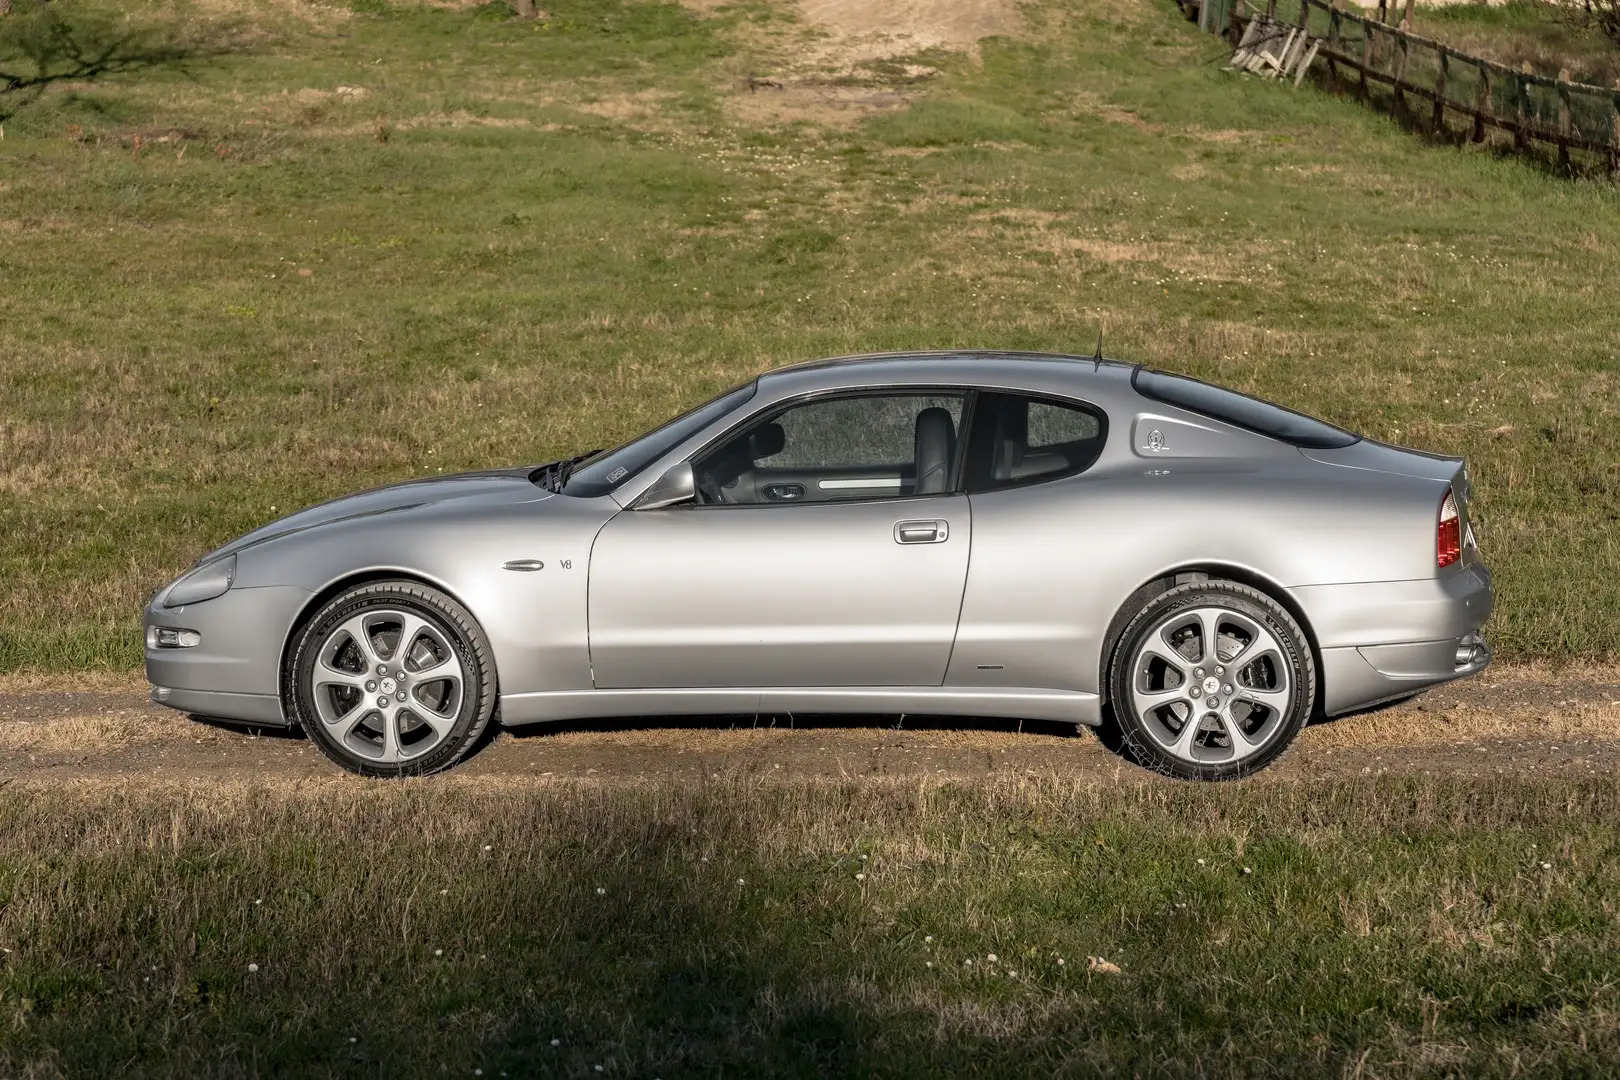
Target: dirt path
(1514,721)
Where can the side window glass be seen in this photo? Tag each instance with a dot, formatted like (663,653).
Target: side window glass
(870,446)
(1020,440)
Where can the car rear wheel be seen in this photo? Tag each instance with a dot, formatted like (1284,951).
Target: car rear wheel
(1211,681)
(392,678)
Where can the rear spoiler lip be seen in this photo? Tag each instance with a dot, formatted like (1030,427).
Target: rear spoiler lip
(1370,455)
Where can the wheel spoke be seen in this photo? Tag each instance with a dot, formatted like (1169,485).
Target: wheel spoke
(452,704)
(1242,746)
(1183,747)
(1260,642)
(1209,626)
(1147,700)
(327,675)
(411,627)
(390,735)
(1275,700)
(448,668)
(356,630)
(1161,649)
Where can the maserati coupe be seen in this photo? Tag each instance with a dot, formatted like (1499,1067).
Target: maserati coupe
(974,534)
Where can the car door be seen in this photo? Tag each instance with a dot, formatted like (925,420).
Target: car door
(828,546)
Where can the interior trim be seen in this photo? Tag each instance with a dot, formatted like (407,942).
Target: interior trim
(862,482)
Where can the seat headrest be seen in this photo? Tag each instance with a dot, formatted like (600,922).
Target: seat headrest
(768,439)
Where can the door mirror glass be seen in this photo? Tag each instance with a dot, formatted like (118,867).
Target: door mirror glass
(677,485)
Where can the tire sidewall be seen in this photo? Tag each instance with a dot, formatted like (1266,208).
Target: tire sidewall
(449,618)
(1242,600)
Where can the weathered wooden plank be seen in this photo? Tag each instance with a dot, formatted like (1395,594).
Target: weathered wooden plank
(1305,65)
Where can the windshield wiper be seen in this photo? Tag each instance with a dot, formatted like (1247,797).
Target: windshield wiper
(554,475)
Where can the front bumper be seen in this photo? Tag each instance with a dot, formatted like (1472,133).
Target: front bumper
(234,672)
(1389,639)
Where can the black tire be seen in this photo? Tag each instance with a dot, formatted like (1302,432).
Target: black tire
(1137,739)
(458,629)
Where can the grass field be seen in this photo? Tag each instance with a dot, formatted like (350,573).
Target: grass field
(340,245)
(747,928)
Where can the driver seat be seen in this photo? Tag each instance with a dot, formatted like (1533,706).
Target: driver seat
(935,451)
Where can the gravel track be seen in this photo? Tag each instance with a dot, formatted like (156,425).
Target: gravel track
(1510,722)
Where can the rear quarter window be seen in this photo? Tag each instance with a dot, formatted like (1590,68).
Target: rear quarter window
(1240,410)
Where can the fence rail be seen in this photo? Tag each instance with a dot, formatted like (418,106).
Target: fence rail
(1531,107)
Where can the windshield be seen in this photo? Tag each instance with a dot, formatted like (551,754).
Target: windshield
(1231,407)
(606,471)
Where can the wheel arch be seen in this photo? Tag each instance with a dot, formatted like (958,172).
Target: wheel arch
(1204,571)
(321,597)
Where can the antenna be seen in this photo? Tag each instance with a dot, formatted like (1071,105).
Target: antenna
(1096,361)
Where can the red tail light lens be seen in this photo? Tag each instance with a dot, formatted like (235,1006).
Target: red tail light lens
(1448,533)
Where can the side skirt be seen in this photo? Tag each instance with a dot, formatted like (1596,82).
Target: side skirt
(1069,706)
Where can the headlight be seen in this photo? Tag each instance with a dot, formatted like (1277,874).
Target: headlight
(203,583)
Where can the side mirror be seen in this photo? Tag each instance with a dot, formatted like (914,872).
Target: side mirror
(677,485)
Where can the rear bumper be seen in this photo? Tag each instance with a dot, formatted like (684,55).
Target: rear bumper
(1390,639)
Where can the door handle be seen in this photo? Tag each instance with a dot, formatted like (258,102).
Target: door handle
(921,532)
(784,492)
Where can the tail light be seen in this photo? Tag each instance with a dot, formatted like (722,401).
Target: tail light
(1448,532)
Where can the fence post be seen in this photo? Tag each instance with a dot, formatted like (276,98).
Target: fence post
(1383,11)
(1400,75)
(1271,9)
(1334,35)
(1614,131)
(1521,136)
(1437,120)
(1563,118)
(1482,103)
(1366,56)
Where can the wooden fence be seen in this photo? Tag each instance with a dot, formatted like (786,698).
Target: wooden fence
(1532,108)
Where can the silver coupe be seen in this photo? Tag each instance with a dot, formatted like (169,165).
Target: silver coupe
(956,533)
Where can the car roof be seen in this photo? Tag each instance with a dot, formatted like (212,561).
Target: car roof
(1056,372)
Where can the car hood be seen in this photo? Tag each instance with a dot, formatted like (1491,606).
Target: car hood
(411,496)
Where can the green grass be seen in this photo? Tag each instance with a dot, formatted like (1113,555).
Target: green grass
(530,239)
(1384,927)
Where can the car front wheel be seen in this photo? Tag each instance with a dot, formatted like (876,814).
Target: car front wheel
(1211,681)
(392,678)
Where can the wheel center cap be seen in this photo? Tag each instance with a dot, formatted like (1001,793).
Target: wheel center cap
(1211,685)
(388,686)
